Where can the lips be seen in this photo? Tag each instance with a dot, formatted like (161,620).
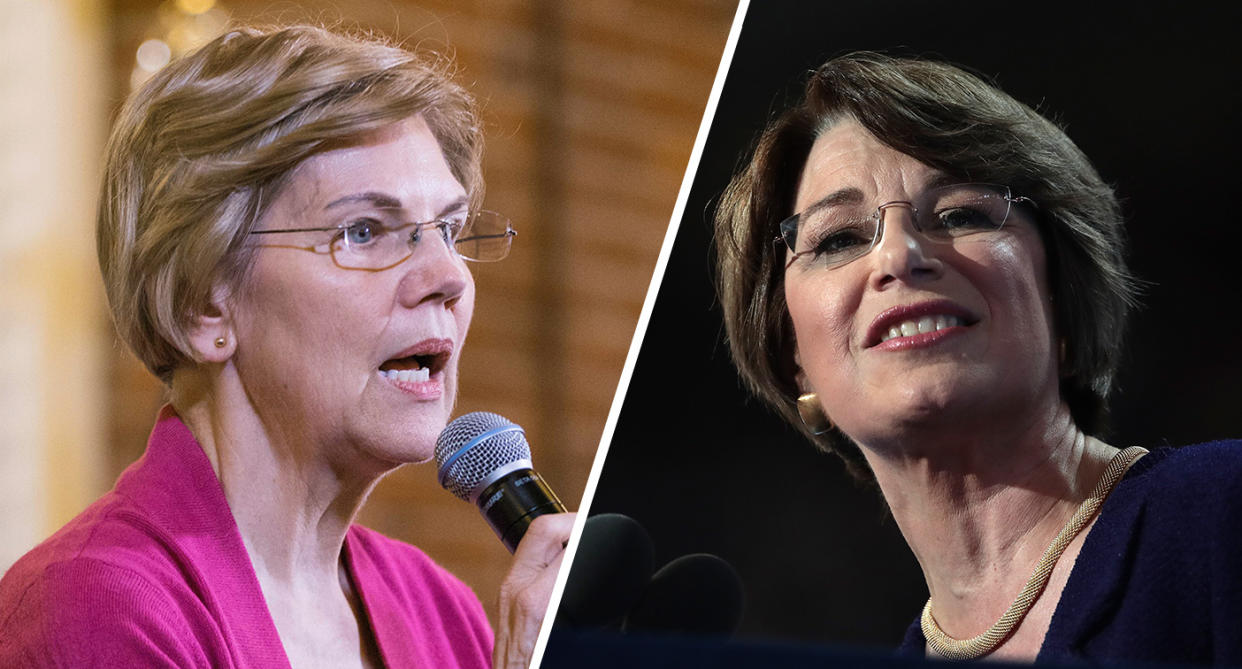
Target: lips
(919,318)
(419,362)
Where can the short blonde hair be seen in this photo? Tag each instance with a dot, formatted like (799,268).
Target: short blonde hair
(202,148)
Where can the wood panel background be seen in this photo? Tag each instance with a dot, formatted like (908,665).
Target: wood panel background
(591,111)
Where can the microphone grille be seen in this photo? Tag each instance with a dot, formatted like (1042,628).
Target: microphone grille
(475,445)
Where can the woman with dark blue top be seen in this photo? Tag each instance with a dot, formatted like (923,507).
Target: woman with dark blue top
(928,278)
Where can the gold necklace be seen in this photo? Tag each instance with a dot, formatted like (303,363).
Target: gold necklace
(968,649)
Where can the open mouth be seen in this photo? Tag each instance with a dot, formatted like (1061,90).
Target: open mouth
(914,326)
(416,367)
(926,318)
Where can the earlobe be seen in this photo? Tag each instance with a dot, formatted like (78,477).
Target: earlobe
(1063,367)
(211,332)
(810,410)
(797,361)
(800,380)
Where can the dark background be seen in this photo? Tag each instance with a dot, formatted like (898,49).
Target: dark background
(1150,93)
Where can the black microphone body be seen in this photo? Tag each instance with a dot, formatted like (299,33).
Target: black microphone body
(483,458)
(514,501)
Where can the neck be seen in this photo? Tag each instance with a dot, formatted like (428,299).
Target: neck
(979,512)
(293,505)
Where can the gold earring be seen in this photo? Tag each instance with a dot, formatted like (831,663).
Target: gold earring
(812,414)
(221,341)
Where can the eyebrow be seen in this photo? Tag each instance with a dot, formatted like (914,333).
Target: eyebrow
(847,195)
(941,179)
(385,201)
(370,197)
(852,195)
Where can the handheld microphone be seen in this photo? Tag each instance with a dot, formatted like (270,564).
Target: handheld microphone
(484,459)
(697,594)
(613,565)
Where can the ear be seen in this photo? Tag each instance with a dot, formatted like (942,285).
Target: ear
(804,386)
(1063,367)
(211,332)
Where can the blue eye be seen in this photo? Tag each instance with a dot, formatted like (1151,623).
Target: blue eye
(363,232)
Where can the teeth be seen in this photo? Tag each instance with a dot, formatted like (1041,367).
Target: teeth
(407,375)
(921,326)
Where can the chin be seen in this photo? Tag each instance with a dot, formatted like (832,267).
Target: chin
(417,439)
(403,440)
(920,403)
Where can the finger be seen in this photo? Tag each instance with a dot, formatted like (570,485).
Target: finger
(537,558)
(524,599)
(546,538)
(526,611)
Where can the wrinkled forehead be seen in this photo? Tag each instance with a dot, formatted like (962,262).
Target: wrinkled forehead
(849,164)
(398,167)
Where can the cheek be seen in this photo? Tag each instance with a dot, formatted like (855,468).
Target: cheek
(1013,278)
(822,314)
(463,311)
(295,313)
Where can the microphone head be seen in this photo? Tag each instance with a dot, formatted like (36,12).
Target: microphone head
(476,449)
(613,564)
(698,594)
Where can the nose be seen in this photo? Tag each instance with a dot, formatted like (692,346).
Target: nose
(902,253)
(434,273)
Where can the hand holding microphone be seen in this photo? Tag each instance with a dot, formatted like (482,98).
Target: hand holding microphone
(484,459)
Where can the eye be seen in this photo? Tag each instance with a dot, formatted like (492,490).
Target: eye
(842,241)
(965,219)
(363,232)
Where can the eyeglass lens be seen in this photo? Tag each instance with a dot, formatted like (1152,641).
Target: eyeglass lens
(837,234)
(376,243)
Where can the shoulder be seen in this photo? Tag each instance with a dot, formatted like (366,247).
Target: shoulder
(1200,480)
(1162,555)
(112,536)
(1172,502)
(1215,460)
(1192,507)
(106,589)
(88,611)
(1179,505)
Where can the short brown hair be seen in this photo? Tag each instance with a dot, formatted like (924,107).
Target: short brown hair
(954,121)
(199,152)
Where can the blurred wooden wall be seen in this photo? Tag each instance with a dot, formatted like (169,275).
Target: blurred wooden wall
(591,110)
(52,322)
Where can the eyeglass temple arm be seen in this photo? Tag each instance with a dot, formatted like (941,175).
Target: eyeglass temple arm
(321,249)
(502,235)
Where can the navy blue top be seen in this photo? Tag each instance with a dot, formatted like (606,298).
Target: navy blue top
(1159,577)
